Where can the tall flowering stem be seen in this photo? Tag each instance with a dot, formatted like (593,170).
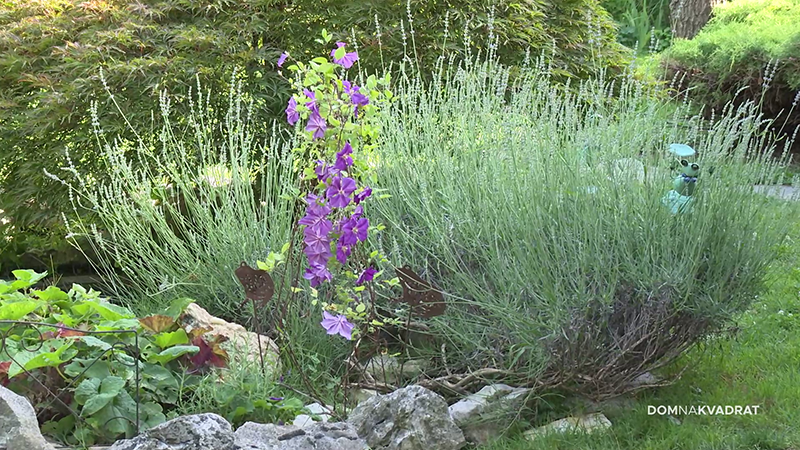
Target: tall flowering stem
(334,121)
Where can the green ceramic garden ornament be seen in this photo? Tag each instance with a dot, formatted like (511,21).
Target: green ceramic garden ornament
(679,199)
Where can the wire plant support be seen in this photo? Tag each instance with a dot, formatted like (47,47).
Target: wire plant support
(36,337)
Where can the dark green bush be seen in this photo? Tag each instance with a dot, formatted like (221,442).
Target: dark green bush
(51,54)
(750,50)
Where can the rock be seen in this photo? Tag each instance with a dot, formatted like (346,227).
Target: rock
(483,415)
(390,370)
(359,395)
(627,170)
(19,428)
(242,345)
(587,424)
(319,436)
(412,418)
(323,413)
(645,379)
(198,432)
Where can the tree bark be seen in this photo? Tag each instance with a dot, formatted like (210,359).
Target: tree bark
(689,16)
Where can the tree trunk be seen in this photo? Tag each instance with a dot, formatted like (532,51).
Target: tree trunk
(689,16)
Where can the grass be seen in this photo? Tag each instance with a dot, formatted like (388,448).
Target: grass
(758,364)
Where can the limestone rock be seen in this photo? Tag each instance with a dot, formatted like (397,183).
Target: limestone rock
(198,432)
(483,415)
(19,428)
(242,345)
(412,418)
(587,424)
(390,370)
(319,436)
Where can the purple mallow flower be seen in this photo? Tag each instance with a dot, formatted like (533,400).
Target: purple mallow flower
(359,99)
(316,237)
(361,196)
(337,325)
(343,158)
(348,59)
(312,105)
(353,230)
(282,59)
(339,191)
(342,253)
(292,116)
(367,275)
(316,274)
(317,124)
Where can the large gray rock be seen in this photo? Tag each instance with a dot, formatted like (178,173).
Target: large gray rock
(19,429)
(412,418)
(585,424)
(318,436)
(198,432)
(483,415)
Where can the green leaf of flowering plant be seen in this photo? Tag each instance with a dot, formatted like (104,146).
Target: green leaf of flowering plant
(339,53)
(171,339)
(172,354)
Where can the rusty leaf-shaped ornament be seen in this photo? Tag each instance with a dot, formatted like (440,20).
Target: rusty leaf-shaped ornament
(425,300)
(258,285)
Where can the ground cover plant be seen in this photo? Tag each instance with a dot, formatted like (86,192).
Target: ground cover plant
(102,361)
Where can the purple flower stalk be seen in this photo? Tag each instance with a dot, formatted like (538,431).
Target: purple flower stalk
(367,275)
(317,124)
(337,325)
(342,253)
(361,196)
(316,274)
(353,230)
(292,116)
(343,158)
(312,105)
(339,191)
(348,59)
(282,59)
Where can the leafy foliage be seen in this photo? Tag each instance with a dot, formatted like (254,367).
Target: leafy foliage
(80,353)
(51,54)
(747,52)
(643,24)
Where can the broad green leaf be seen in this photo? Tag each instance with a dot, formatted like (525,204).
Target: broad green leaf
(89,368)
(92,342)
(339,53)
(18,310)
(165,340)
(161,382)
(28,276)
(118,416)
(86,390)
(104,309)
(177,307)
(109,388)
(361,308)
(173,353)
(51,294)
(43,358)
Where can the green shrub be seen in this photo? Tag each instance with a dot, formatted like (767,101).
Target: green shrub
(748,51)
(562,267)
(51,54)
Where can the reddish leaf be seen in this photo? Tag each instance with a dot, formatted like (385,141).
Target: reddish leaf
(4,372)
(211,353)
